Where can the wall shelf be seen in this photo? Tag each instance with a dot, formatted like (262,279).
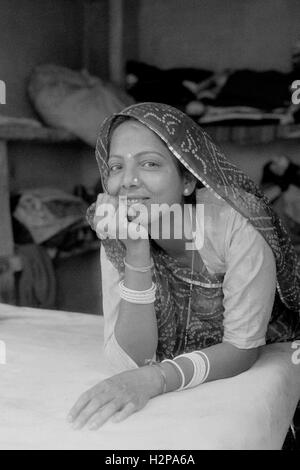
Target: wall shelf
(241,134)
(38,134)
(252,134)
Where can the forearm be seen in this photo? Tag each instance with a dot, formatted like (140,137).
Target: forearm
(136,326)
(225,361)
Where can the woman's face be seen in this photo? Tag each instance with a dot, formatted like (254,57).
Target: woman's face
(142,168)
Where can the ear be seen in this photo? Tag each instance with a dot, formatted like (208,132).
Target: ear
(189,183)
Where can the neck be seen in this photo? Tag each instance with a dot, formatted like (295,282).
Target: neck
(173,245)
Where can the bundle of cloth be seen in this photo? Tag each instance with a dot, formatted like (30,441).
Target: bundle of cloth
(45,212)
(176,86)
(53,219)
(243,96)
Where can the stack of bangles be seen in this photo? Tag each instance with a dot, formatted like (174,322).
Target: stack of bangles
(201,369)
(138,296)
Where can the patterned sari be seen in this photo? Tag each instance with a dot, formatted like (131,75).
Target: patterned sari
(196,151)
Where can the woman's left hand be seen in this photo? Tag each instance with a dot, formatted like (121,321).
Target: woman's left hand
(116,397)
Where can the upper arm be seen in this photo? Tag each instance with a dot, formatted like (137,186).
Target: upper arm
(249,285)
(117,357)
(110,294)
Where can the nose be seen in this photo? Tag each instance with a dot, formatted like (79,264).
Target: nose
(130,178)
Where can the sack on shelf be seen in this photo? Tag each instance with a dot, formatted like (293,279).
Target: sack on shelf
(74,101)
(45,212)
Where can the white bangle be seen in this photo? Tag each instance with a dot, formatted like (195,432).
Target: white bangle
(138,296)
(201,353)
(201,367)
(163,375)
(141,269)
(178,368)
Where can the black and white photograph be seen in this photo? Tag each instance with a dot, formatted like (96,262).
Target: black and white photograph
(150,227)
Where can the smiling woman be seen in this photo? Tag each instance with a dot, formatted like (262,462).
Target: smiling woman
(176,318)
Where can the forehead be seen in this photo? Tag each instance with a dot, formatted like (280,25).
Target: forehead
(133,133)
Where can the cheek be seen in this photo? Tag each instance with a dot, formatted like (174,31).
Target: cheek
(112,185)
(173,185)
(167,189)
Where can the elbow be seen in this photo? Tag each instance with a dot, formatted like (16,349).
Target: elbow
(117,359)
(253,356)
(142,358)
(248,358)
(238,360)
(140,350)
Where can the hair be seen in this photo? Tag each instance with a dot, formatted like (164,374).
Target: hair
(191,199)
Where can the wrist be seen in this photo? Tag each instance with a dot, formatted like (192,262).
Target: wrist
(173,381)
(153,379)
(138,254)
(162,378)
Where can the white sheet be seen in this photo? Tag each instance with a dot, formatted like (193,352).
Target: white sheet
(52,357)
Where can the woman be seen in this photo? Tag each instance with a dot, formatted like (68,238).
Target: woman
(177,317)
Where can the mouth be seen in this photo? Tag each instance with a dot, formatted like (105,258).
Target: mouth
(131,201)
(135,203)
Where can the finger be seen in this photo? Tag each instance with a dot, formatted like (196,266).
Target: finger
(101,199)
(136,208)
(86,413)
(105,199)
(105,220)
(112,200)
(100,391)
(90,215)
(103,208)
(79,405)
(123,203)
(103,415)
(139,213)
(128,410)
(131,213)
(121,217)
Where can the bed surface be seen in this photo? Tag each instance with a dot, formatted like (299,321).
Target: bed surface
(53,356)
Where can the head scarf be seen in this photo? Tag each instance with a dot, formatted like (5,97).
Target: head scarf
(194,148)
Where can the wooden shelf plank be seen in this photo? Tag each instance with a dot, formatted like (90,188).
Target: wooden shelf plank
(251,134)
(37,134)
(241,134)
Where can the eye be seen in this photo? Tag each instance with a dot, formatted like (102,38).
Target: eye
(151,164)
(114,167)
